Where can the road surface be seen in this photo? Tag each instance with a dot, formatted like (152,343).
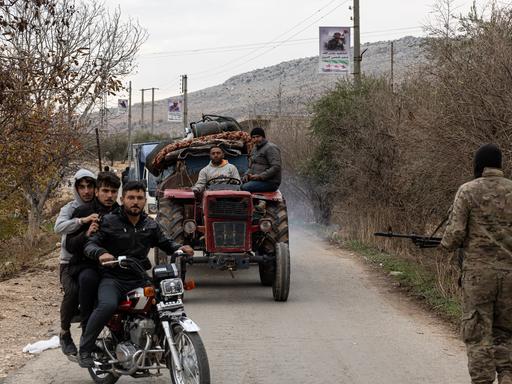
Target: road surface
(338,326)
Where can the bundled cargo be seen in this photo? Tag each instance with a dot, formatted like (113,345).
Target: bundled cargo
(233,143)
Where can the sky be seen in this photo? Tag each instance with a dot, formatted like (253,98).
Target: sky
(213,40)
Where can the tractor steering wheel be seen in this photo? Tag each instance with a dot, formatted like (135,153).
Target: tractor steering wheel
(223,180)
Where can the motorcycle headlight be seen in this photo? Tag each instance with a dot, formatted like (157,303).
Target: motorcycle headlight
(265,225)
(171,287)
(152,208)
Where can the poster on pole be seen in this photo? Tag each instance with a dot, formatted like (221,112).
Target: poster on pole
(175,110)
(334,56)
(122,106)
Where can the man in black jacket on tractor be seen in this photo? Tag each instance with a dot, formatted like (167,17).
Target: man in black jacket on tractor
(82,269)
(127,231)
(264,173)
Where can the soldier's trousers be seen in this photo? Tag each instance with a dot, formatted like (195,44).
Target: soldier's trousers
(487,323)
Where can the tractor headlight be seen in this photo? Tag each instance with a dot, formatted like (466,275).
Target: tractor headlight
(265,225)
(190,227)
(171,287)
(152,208)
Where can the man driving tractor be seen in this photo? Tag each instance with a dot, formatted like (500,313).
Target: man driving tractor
(218,168)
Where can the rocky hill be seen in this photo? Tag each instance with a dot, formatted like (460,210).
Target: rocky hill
(286,88)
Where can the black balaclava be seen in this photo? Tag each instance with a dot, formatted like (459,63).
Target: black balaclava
(258,131)
(488,155)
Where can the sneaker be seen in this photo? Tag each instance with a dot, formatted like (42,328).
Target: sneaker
(67,345)
(85,360)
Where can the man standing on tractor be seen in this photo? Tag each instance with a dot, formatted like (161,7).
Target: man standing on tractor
(218,168)
(264,173)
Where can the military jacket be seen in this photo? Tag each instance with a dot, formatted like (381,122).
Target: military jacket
(480,222)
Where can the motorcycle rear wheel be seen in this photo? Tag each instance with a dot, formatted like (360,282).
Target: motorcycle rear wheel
(193,359)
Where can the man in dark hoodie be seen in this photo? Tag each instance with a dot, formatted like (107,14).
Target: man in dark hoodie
(81,268)
(84,182)
(264,173)
(480,223)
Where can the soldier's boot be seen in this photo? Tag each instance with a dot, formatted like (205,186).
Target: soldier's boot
(505,377)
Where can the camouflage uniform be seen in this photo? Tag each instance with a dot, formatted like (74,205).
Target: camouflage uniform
(481,223)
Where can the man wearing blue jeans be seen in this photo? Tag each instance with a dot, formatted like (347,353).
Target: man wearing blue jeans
(264,173)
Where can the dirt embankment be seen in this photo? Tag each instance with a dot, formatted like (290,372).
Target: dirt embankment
(29,312)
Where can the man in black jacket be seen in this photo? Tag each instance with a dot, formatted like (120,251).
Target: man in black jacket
(264,173)
(130,232)
(82,269)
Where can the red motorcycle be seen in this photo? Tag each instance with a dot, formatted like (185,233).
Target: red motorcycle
(150,332)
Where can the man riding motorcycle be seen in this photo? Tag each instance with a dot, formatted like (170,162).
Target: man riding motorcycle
(130,232)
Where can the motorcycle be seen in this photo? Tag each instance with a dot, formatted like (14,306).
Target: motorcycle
(150,332)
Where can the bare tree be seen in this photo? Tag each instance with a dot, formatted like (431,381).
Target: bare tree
(58,63)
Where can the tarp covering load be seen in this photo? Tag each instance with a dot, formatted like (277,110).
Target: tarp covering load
(234,143)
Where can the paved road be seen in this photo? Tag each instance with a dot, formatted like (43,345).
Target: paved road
(338,326)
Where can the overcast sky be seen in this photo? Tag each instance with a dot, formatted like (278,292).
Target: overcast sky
(188,36)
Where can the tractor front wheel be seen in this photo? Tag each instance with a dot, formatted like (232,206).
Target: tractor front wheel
(281,284)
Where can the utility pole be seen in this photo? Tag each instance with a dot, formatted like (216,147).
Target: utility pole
(102,119)
(153,109)
(129,150)
(142,108)
(392,65)
(185,101)
(357,45)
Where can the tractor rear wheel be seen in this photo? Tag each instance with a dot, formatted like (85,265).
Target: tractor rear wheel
(279,215)
(170,217)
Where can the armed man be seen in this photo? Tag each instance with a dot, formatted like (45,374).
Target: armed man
(481,224)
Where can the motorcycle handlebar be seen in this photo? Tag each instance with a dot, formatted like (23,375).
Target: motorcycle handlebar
(119,260)
(122,258)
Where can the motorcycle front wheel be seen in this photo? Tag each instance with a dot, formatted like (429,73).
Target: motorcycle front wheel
(193,359)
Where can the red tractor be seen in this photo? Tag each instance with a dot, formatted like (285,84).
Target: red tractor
(233,229)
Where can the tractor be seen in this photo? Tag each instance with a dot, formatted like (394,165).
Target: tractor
(229,229)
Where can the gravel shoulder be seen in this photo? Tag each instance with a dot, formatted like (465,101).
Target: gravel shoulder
(29,312)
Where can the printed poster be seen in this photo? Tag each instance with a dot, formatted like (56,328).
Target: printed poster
(334,56)
(175,110)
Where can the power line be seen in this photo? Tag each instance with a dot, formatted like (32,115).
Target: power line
(222,49)
(278,37)
(243,47)
(209,73)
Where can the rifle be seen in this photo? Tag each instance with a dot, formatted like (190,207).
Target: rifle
(419,240)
